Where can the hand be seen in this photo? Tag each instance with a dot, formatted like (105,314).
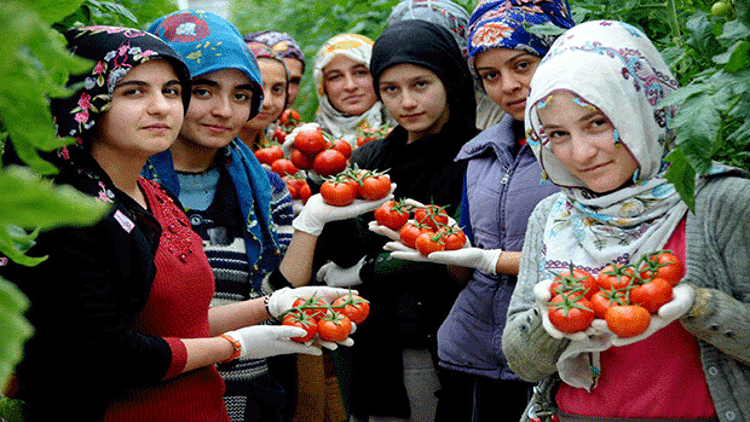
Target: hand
(262,341)
(684,296)
(401,251)
(297,206)
(335,276)
(317,213)
(543,296)
(376,228)
(283,299)
(480,259)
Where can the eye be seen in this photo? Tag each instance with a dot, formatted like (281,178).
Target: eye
(172,91)
(333,77)
(278,90)
(200,92)
(241,96)
(131,92)
(599,124)
(557,136)
(388,89)
(489,76)
(421,84)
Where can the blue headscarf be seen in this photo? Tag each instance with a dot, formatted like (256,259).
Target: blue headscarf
(207,43)
(502,24)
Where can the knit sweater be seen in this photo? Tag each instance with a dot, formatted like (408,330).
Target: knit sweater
(717,264)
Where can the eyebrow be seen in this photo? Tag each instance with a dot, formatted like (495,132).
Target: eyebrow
(144,83)
(211,82)
(512,58)
(583,118)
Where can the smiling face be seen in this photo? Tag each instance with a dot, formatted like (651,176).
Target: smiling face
(348,86)
(582,138)
(145,114)
(416,99)
(274,94)
(506,74)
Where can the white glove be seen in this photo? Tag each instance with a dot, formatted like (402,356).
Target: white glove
(543,296)
(335,276)
(297,206)
(288,144)
(376,228)
(401,251)
(262,341)
(283,299)
(481,259)
(317,213)
(684,296)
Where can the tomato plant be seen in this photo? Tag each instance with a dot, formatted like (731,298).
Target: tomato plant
(429,242)
(338,193)
(353,306)
(652,294)
(329,162)
(301,320)
(570,313)
(392,214)
(334,327)
(627,320)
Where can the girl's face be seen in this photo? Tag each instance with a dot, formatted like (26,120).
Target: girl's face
(582,138)
(506,75)
(416,99)
(219,106)
(295,67)
(348,86)
(145,114)
(274,93)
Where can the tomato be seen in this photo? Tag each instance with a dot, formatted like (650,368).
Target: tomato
(334,327)
(374,187)
(453,238)
(391,215)
(329,162)
(301,321)
(432,216)
(304,192)
(312,307)
(580,278)
(309,141)
(429,242)
(342,146)
(289,118)
(721,8)
(664,265)
(615,276)
(570,314)
(338,193)
(279,135)
(283,167)
(301,160)
(270,154)
(628,320)
(353,306)
(652,295)
(602,300)
(409,233)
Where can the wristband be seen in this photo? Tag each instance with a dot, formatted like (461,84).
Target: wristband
(237,348)
(266,299)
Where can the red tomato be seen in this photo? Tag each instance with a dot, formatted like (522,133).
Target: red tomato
(652,295)
(353,306)
(309,141)
(664,265)
(615,276)
(570,314)
(283,167)
(432,216)
(338,193)
(304,192)
(374,187)
(391,215)
(602,300)
(301,160)
(564,282)
(301,321)
(279,135)
(334,327)
(342,146)
(453,238)
(289,118)
(269,154)
(409,233)
(427,243)
(329,162)
(312,307)
(628,320)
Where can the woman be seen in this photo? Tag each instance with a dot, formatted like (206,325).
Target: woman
(275,76)
(427,88)
(346,100)
(126,333)
(241,211)
(289,51)
(599,128)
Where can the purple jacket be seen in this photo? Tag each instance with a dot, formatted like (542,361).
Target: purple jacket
(501,190)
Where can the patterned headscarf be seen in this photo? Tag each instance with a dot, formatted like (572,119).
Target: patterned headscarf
(342,125)
(207,43)
(114,51)
(614,67)
(444,13)
(503,24)
(262,51)
(280,42)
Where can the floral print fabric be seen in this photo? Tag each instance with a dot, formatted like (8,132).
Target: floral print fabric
(444,13)
(280,42)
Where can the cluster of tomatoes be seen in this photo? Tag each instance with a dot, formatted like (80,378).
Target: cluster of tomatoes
(624,296)
(298,187)
(352,183)
(424,228)
(366,133)
(331,322)
(288,120)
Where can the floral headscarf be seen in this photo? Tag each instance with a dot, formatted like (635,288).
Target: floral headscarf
(280,42)
(342,125)
(614,67)
(262,51)
(207,43)
(502,24)
(114,51)
(444,13)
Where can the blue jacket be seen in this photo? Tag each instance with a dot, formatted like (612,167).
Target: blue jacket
(501,190)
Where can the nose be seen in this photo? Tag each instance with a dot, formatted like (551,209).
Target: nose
(407,100)
(583,151)
(350,83)
(222,107)
(509,82)
(159,104)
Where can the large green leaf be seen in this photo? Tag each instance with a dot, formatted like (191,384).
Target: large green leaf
(682,176)
(52,11)
(13,326)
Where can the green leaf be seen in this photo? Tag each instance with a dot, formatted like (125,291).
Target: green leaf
(682,175)
(52,11)
(15,328)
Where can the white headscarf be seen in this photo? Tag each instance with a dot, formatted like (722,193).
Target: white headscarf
(614,67)
(342,125)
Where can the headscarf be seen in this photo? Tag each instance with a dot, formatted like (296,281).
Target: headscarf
(339,124)
(614,67)
(502,24)
(280,42)
(428,45)
(207,43)
(114,51)
(262,51)
(444,13)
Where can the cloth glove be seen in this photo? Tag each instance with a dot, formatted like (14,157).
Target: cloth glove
(682,301)
(262,341)
(376,228)
(335,276)
(297,206)
(317,213)
(543,296)
(283,299)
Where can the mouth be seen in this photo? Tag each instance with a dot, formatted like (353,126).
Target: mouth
(521,102)
(410,117)
(158,127)
(352,99)
(594,168)
(216,128)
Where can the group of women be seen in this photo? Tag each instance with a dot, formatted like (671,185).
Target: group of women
(168,307)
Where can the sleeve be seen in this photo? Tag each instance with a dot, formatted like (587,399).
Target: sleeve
(282,212)
(531,353)
(720,314)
